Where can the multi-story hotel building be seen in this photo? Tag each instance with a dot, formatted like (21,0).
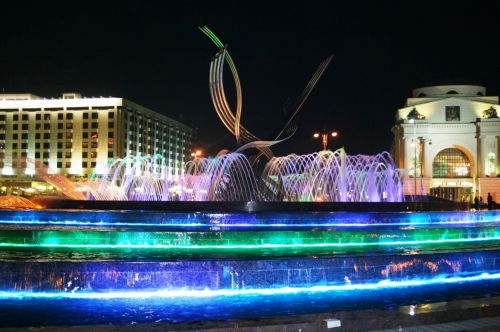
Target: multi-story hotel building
(448,139)
(77,136)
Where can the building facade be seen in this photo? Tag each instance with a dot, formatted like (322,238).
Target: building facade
(77,136)
(447,138)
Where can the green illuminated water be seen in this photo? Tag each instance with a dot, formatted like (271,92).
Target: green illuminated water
(250,243)
(247,238)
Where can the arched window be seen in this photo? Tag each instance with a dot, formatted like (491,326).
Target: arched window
(480,93)
(452,92)
(451,163)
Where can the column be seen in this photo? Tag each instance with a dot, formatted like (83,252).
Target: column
(408,153)
(76,147)
(30,161)
(7,162)
(497,157)
(102,142)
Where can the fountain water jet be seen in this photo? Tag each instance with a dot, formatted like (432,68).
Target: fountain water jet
(334,177)
(322,176)
(132,178)
(227,177)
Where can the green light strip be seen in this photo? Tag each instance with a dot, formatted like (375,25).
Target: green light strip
(262,246)
(221,238)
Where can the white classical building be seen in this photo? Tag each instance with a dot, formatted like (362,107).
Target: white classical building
(447,138)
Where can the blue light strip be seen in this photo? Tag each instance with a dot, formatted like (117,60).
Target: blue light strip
(241,225)
(182,293)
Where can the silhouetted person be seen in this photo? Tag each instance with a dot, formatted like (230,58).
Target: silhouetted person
(476,203)
(481,202)
(490,202)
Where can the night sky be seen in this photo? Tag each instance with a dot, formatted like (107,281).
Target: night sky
(153,54)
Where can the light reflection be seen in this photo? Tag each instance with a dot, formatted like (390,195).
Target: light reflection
(189,293)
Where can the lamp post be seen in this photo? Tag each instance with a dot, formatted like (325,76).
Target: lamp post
(324,137)
(414,143)
(196,154)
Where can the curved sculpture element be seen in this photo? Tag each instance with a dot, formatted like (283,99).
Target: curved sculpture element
(305,94)
(333,176)
(289,128)
(262,144)
(231,121)
(222,106)
(232,66)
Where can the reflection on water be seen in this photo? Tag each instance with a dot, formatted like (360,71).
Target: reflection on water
(118,262)
(236,274)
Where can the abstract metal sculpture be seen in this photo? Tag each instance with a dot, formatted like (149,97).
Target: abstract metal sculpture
(231,120)
(324,176)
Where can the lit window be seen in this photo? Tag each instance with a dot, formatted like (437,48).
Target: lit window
(451,163)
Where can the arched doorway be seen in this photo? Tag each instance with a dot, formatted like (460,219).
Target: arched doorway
(452,175)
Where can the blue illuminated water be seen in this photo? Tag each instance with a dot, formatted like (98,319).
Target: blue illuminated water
(68,287)
(248,221)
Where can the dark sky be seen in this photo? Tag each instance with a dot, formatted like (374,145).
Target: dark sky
(151,52)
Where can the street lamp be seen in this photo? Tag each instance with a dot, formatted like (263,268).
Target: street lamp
(196,154)
(324,137)
(414,143)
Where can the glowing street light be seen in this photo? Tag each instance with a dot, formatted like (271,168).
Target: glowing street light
(196,154)
(324,137)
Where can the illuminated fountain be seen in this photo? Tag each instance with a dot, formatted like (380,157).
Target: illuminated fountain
(334,177)
(227,177)
(125,267)
(323,176)
(132,178)
(95,267)
(17,202)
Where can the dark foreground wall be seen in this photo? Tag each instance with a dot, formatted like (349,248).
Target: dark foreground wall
(183,206)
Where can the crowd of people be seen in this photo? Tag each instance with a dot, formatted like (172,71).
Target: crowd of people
(479,202)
